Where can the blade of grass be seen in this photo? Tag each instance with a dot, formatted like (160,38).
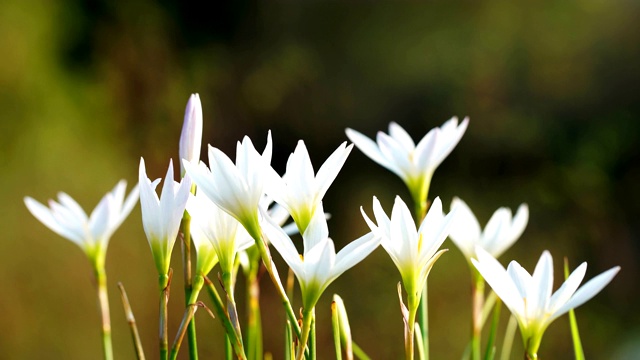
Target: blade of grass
(573,322)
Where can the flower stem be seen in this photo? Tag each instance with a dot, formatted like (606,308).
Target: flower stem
(132,323)
(103,301)
(187,318)
(307,320)
(186,269)
(411,321)
(423,320)
(477,290)
(509,334)
(254,323)
(256,233)
(235,338)
(164,281)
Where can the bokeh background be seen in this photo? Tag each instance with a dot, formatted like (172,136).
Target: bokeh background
(552,90)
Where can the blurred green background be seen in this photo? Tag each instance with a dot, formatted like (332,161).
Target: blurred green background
(552,90)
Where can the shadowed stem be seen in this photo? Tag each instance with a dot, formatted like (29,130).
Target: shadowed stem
(235,339)
(420,194)
(132,323)
(477,290)
(164,283)
(185,246)
(307,321)
(103,301)
(256,234)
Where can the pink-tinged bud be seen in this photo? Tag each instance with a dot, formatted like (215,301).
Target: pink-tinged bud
(191,136)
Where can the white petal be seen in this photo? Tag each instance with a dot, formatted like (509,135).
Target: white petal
(465,231)
(513,232)
(588,290)
(496,276)
(283,245)
(568,288)
(401,136)
(317,230)
(68,202)
(46,217)
(449,140)
(369,148)
(539,293)
(354,252)
(331,167)
(396,154)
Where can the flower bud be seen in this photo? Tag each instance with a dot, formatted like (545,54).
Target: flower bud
(191,136)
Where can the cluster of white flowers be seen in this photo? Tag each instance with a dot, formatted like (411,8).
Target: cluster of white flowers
(229,214)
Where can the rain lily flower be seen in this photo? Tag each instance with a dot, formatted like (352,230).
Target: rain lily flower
(161,216)
(299,190)
(92,233)
(191,136)
(237,189)
(413,251)
(529,297)
(414,164)
(320,265)
(501,231)
(223,232)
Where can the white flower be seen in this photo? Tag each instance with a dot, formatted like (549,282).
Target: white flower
(413,251)
(210,224)
(413,163)
(161,216)
(191,136)
(319,265)
(299,190)
(530,298)
(67,219)
(237,189)
(501,231)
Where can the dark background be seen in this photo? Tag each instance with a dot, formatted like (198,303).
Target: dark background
(87,88)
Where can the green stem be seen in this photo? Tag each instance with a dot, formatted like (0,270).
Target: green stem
(335,321)
(491,350)
(103,302)
(254,323)
(256,233)
(132,323)
(163,281)
(423,320)
(509,334)
(359,353)
(187,318)
(186,269)
(420,193)
(236,340)
(307,321)
(410,331)
(477,290)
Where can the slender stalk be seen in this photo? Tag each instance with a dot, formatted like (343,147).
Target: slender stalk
(359,353)
(410,331)
(235,338)
(103,302)
(509,334)
(289,351)
(256,233)
(477,290)
(312,340)
(423,319)
(254,323)
(187,318)
(164,282)
(573,323)
(132,323)
(491,349)
(335,322)
(420,193)
(418,340)
(307,321)
(186,269)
